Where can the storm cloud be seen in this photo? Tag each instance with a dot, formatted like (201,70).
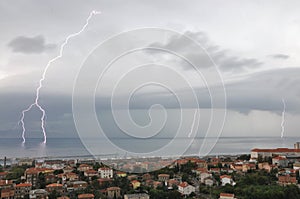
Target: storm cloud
(30,45)
(221,56)
(280,56)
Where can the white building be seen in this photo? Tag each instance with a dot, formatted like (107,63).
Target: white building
(185,188)
(105,172)
(280,161)
(226,179)
(204,175)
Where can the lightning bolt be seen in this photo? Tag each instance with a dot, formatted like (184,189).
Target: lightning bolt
(282,118)
(37,97)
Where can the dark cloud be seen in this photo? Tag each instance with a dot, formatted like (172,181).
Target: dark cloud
(221,56)
(280,56)
(30,45)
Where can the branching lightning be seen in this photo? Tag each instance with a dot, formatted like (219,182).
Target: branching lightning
(37,97)
(282,118)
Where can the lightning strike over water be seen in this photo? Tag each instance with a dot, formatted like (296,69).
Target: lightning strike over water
(283,118)
(36,101)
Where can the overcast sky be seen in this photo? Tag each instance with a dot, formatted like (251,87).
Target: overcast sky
(255,46)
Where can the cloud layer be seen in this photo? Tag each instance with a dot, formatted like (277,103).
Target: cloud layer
(30,45)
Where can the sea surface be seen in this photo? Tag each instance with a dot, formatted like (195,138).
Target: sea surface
(73,147)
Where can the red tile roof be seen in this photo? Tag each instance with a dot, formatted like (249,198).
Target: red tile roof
(54,185)
(278,150)
(225,176)
(227,194)
(113,188)
(24,185)
(86,195)
(183,184)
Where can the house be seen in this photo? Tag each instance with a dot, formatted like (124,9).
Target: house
(146,176)
(265,166)
(86,196)
(198,171)
(68,169)
(296,166)
(163,177)
(137,196)
(38,194)
(173,182)
(90,173)
(227,196)
(6,189)
(113,192)
(31,176)
(280,161)
(7,194)
(23,189)
(156,184)
(79,185)
(226,179)
(50,179)
(103,181)
(68,177)
(135,184)
(55,186)
(287,180)
(204,175)
(215,170)
(185,188)
(105,172)
(121,174)
(209,182)
(3,175)
(84,167)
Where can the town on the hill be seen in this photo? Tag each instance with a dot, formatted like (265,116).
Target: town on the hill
(262,174)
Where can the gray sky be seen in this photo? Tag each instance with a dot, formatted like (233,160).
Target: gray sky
(255,45)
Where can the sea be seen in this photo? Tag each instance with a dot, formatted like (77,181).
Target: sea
(74,147)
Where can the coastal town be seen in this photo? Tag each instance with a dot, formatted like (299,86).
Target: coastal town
(263,173)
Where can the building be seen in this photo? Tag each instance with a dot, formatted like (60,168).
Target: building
(137,196)
(204,175)
(121,174)
(3,175)
(84,167)
(296,166)
(55,186)
(209,182)
(105,172)
(27,162)
(23,189)
(86,196)
(255,153)
(7,194)
(113,192)
(226,179)
(286,180)
(227,196)
(6,189)
(79,185)
(90,173)
(135,184)
(38,194)
(163,177)
(280,161)
(31,176)
(185,188)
